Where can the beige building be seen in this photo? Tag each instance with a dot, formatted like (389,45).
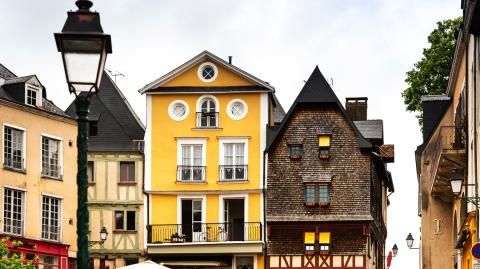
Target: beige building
(449,154)
(38,176)
(115,170)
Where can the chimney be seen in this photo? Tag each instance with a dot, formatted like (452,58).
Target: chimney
(433,108)
(356,108)
(230,59)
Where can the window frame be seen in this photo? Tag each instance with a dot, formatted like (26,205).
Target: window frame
(126,180)
(92,128)
(125,219)
(24,147)
(230,106)
(222,161)
(37,90)
(194,142)
(312,245)
(171,107)
(317,201)
(202,67)
(59,219)
(22,213)
(324,152)
(300,151)
(59,157)
(91,180)
(199,110)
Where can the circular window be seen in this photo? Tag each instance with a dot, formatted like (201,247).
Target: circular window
(237,109)
(178,110)
(207,72)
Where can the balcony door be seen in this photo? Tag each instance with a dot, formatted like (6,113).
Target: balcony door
(192,220)
(234,217)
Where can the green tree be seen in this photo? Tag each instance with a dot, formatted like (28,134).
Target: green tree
(11,261)
(429,76)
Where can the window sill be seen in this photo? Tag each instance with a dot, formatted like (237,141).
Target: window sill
(239,181)
(190,182)
(127,183)
(125,231)
(23,171)
(207,129)
(60,178)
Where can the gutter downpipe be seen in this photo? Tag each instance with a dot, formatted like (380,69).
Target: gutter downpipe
(264,211)
(475,152)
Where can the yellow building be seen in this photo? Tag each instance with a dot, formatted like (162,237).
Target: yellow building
(38,176)
(204,165)
(115,172)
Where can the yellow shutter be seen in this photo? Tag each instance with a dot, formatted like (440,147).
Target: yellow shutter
(310,238)
(324,141)
(324,238)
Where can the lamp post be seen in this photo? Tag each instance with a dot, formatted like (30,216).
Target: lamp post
(410,240)
(84,49)
(394,250)
(103,238)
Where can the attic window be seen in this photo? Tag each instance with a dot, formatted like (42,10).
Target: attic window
(32,97)
(324,146)
(92,128)
(207,72)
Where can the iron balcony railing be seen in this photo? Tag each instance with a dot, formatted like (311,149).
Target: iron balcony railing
(190,173)
(14,162)
(233,172)
(207,119)
(204,232)
(449,138)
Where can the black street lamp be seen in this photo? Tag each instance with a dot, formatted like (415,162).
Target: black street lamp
(103,238)
(84,49)
(394,250)
(410,241)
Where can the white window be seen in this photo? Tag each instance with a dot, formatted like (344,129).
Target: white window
(51,218)
(33,95)
(207,113)
(178,110)
(237,109)
(13,211)
(207,72)
(49,262)
(233,159)
(51,157)
(191,168)
(13,148)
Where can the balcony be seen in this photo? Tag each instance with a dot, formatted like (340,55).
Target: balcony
(448,152)
(233,173)
(204,232)
(207,120)
(188,173)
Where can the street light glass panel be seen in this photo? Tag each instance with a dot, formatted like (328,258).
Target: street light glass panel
(103,234)
(409,240)
(395,250)
(456,185)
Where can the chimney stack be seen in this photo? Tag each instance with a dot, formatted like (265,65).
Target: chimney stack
(356,108)
(230,59)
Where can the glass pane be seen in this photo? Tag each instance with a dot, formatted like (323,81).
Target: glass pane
(324,238)
(309,238)
(131,172)
(197,205)
(118,220)
(244,262)
(131,220)
(82,68)
(197,216)
(123,171)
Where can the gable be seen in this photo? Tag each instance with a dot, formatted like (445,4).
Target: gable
(190,77)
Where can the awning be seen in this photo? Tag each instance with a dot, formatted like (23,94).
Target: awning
(194,263)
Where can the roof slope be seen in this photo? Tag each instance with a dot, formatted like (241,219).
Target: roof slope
(118,124)
(5,73)
(371,129)
(316,91)
(152,86)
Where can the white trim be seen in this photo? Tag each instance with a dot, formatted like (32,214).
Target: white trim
(255,261)
(13,188)
(197,59)
(200,71)
(148,150)
(60,216)
(24,143)
(170,110)
(229,109)
(264,111)
(198,107)
(202,197)
(192,141)
(145,218)
(24,208)
(60,152)
(51,136)
(35,88)
(222,197)
(221,148)
(52,195)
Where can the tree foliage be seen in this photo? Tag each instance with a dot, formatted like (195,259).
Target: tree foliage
(429,76)
(11,261)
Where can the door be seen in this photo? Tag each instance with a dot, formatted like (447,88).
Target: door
(192,220)
(235,219)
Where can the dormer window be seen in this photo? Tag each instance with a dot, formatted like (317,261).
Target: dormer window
(32,96)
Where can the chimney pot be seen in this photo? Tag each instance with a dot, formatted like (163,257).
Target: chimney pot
(356,108)
(230,59)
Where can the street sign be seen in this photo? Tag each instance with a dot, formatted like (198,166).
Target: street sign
(476,250)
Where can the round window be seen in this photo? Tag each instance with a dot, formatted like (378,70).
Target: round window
(207,72)
(237,109)
(178,110)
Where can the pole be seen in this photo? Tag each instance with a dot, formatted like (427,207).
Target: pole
(82,107)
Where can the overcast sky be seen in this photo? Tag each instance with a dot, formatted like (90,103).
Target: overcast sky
(363,46)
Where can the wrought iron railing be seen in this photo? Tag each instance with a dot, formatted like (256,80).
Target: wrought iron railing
(233,172)
(14,162)
(204,232)
(449,138)
(190,173)
(207,119)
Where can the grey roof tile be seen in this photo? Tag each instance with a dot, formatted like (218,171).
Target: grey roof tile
(371,129)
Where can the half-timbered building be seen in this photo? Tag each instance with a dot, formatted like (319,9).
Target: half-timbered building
(327,183)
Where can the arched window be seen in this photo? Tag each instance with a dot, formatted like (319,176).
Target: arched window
(207,117)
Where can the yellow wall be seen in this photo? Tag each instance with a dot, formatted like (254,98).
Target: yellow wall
(35,124)
(467,258)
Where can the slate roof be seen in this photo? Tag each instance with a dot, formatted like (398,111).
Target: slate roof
(278,111)
(118,125)
(315,91)
(5,73)
(371,129)
(16,80)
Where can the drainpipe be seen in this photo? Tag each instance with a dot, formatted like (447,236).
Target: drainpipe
(475,150)
(264,211)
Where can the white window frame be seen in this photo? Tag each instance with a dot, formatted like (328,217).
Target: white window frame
(36,89)
(221,153)
(24,207)
(229,109)
(24,146)
(200,70)
(60,153)
(221,208)
(60,216)
(203,198)
(172,115)
(192,141)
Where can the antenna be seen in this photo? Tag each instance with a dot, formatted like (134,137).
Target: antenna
(114,75)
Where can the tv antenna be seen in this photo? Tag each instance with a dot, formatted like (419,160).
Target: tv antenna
(115,74)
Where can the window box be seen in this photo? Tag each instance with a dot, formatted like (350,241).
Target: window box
(296,151)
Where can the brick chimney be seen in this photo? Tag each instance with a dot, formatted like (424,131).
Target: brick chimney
(356,108)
